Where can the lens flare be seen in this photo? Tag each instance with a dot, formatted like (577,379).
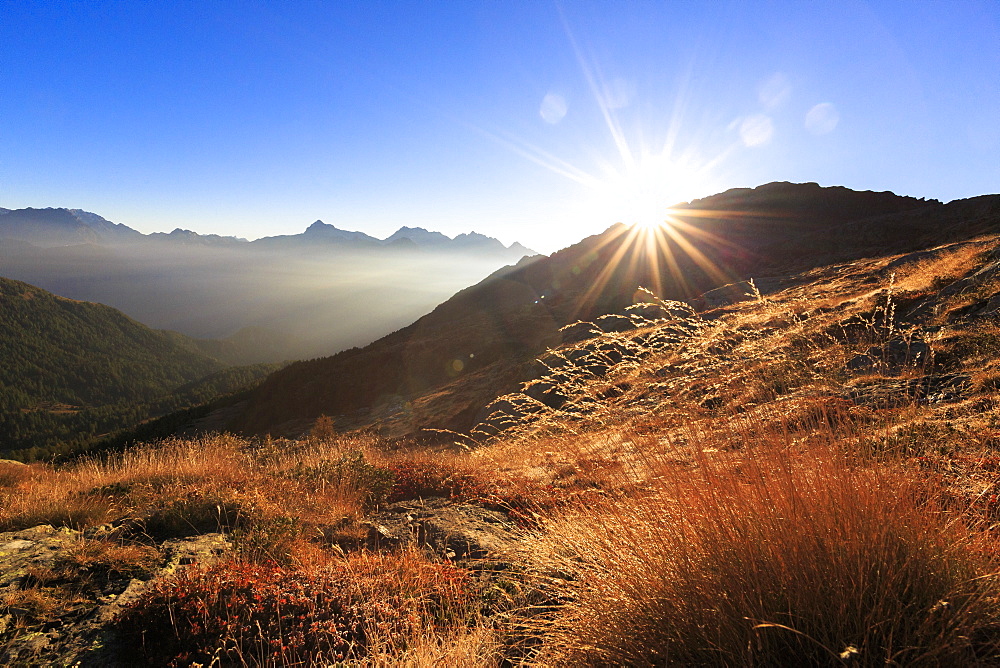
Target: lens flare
(644,182)
(644,192)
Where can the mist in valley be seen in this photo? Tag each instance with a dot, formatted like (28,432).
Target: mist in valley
(279,298)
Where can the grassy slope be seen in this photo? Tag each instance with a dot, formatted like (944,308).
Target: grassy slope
(803,477)
(73,352)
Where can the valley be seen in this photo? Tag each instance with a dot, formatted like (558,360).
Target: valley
(278,298)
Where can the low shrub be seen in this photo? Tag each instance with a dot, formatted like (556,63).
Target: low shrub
(268,539)
(350,471)
(256,614)
(420,479)
(194,513)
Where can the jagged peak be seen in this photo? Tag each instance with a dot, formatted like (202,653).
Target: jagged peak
(521,248)
(320,226)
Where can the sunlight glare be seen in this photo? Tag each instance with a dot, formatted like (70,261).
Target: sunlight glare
(643,193)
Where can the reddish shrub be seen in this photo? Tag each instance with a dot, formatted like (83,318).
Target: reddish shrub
(248,613)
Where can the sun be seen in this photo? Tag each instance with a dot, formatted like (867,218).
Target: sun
(642,192)
(661,244)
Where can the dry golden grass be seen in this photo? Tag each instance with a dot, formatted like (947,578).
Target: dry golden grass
(13,473)
(476,647)
(771,555)
(756,502)
(731,490)
(182,487)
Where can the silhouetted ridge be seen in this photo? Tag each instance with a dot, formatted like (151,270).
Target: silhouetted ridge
(486,335)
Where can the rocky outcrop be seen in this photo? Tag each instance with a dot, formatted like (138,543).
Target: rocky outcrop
(59,611)
(449,530)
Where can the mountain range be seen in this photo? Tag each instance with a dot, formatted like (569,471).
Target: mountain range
(442,371)
(295,296)
(67,227)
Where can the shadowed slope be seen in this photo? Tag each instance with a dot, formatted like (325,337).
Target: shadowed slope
(484,338)
(72,370)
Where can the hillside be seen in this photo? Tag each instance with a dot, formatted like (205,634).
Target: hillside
(73,370)
(439,372)
(800,471)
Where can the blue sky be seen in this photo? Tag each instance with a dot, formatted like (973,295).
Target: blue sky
(537,121)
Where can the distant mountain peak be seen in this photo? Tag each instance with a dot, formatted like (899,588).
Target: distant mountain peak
(472,235)
(419,236)
(518,247)
(479,242)
(327,232)
(466,241)
(320,226)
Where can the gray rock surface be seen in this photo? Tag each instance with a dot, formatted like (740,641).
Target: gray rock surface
(449,530)
(83,633)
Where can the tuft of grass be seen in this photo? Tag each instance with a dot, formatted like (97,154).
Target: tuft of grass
(773,557)
(58,507)
(105,560)
(30,606)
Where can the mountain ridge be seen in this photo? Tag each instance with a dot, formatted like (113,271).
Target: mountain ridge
(64,226)
(499,325)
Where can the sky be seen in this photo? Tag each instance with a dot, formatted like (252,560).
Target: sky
(539,122)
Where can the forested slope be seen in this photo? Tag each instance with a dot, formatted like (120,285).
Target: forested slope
(73,370)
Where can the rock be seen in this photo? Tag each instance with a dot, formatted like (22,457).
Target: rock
(896,392)
(16,545)
(102,532)
(900,352)
(84,635)
(35,547)
(450,530)
(204,549)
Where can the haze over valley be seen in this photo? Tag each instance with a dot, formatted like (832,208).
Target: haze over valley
(283,297)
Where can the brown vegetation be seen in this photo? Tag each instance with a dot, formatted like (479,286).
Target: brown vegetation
(802,477)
